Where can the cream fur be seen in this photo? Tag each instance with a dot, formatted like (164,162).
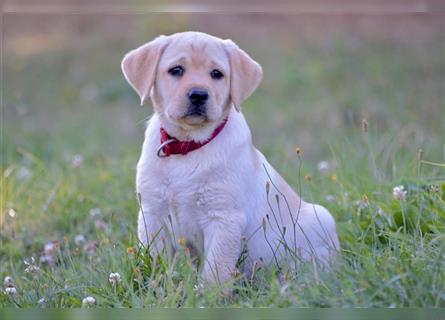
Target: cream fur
(216,195)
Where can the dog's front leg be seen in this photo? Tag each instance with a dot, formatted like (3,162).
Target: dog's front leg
(222,244)
(152,233)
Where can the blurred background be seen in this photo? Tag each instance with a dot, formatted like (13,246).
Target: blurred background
(327,66)
(323,73)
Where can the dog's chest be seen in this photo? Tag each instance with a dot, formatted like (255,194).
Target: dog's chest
(185,203)
(186,195)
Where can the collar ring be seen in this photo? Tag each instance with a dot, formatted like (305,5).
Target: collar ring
(160,153)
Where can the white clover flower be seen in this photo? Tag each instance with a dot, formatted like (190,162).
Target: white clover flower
(11,291)
(79,239)
(8,282)
(12,213)
(114,278)
(100,224)
(77,161)
(31,266)
(95,212)
(323,167)
(399,192)
(88,301)
(330,198)
(90,248)
(434,188)
(41,301)
(49,253)
(32,269)
(49,248)
(46,258)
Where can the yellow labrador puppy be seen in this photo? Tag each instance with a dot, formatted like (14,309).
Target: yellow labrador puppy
(199,177)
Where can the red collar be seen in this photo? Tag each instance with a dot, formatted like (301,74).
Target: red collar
(170,145)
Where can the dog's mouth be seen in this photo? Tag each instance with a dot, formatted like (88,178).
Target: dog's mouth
(196,115)
(195,120)
(191,118)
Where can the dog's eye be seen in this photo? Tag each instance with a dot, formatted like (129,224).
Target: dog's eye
(216,74)
(177,71)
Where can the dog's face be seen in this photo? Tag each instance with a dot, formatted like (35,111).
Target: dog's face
(192,83)
(192,78)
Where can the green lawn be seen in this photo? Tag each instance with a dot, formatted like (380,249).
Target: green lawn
(72,132)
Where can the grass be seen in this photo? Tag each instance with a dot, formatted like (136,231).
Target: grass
(71,139)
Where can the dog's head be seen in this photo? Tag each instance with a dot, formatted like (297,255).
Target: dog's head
(192,78)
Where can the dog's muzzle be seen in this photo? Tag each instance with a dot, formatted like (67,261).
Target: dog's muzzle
(197,107)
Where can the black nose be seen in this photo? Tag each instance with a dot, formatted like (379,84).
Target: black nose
(198,97)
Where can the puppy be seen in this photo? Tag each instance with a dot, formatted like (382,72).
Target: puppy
(199,177)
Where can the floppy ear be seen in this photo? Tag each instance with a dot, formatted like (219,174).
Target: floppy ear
(246,74)
(140,65)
